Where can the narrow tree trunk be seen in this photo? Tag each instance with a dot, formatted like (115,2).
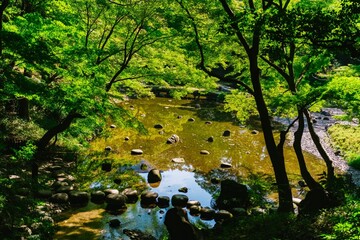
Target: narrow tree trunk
(23,108)
(323,154)
(44,141)
(278,163)
(310,181)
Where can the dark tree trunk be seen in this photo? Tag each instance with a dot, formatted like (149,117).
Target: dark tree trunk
(277,159)
(23,108)
(311,183)
(323,154)
(44,141)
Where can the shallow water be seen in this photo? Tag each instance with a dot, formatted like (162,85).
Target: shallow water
(245,151)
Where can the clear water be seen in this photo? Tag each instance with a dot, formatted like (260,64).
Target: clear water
(245,151)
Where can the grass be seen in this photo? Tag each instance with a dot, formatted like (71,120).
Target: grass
(346,138)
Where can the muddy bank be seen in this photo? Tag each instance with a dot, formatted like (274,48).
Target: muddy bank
(322,121)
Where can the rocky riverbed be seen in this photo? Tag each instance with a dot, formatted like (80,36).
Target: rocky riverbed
(322,121)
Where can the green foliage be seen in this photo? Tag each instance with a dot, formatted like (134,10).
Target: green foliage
(344,221)
(25,153)
(346,138)
(241,103)
(343,89)
(20,130)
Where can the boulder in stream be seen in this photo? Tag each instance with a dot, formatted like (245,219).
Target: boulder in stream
(179,200)
(154,176)
(97,197)
(59,198)
(232,195)
(79,198)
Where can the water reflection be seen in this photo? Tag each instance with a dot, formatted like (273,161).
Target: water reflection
(244,150)
(92,222)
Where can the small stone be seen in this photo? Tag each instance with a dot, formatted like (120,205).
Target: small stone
(158,126)
(208,122)
(254,132)
(111,191)
(207,213)
(225,165)
(191,203)
(136,152)
(191,119)
(114,223)
(131,194)
(163,201)
(183,189)
(108,148)
(215,180)
(106,167)
(195,210)
(178,160)
(127,138)
(226,133)
(222,215)
(204,152)
(112,126)
(210,139)
(117,180)
(97,197)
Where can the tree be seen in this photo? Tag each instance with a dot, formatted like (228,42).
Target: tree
(249,39)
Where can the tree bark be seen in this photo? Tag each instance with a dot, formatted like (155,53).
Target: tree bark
(23,108)
(310,181)
(323,154)
(277,159)
(44,141)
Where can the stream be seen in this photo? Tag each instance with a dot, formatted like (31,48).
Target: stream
(194,123)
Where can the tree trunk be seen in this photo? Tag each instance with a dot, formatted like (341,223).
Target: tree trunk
(44,141)
(310,181)
(323,154)
(277,160)
(23,108)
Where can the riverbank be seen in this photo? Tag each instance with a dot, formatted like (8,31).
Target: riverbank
(322,122)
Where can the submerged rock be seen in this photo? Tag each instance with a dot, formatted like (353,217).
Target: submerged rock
(226,133)
(204,152)
(178,160)
(173,139)
(114,223)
